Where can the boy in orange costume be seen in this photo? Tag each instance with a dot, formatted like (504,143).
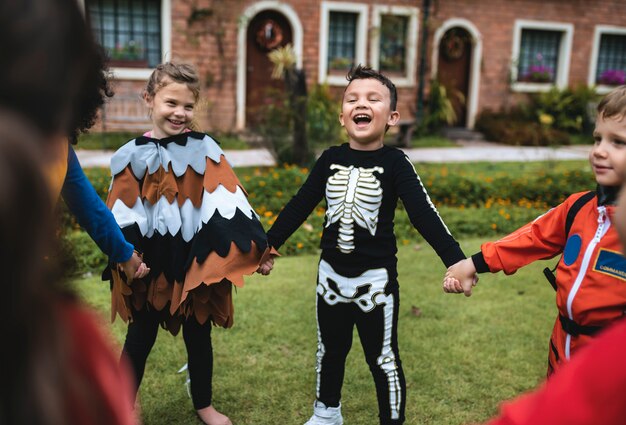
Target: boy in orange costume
(591,273)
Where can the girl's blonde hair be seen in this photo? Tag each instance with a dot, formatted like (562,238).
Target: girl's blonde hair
(613,105)
(174,72)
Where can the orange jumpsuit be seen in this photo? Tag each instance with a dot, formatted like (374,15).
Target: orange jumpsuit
(590,277)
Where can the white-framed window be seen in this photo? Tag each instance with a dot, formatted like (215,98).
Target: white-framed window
(135,33)
(343,40)
(607,67)
(394,42)
(540,55)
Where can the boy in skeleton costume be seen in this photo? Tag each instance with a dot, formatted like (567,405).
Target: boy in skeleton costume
(357,278)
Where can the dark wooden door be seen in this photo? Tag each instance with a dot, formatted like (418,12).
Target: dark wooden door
(453,70)
(267,31)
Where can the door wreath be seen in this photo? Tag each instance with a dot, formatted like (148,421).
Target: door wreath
(269,35)
(453,46)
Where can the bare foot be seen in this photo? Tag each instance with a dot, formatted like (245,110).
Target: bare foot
(210,416)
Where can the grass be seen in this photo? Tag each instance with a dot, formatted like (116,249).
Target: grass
(581,139)
(462,356)
(432,141)
(503,169)
(428,141)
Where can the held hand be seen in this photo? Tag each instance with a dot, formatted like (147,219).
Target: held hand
(266,267)
(134,268)
(461,277)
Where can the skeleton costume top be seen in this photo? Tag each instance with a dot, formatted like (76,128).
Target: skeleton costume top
(179,202)
(362,189)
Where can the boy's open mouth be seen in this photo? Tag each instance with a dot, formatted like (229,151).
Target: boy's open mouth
(362,119)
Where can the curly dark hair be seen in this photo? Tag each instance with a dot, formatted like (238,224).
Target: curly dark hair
(93,96)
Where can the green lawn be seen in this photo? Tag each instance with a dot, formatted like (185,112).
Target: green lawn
(461,356)
(494,170)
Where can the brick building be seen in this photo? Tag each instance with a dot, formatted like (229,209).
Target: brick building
(493,52)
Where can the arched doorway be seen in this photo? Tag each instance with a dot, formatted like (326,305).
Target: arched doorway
(453,72)
(267,31)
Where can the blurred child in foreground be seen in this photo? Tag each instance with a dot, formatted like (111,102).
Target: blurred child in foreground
(60,368)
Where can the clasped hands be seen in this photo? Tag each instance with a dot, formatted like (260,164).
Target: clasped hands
(460,278)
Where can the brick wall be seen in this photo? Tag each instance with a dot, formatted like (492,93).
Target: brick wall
(210,43)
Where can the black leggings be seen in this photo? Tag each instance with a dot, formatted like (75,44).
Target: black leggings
(140,338)
(377,325)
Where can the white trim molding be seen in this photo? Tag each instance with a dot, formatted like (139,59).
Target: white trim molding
(565,53)
(244,20)
(142,74)
(412,13)
(475,61)
(598,32)
(361,37)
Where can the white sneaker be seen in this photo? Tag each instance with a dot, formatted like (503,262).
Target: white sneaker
(323,415)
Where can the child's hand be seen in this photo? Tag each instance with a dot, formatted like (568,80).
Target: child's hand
(266,267)
(134,268)
(461,277)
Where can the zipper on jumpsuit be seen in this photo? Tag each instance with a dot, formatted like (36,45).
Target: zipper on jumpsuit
(603,226)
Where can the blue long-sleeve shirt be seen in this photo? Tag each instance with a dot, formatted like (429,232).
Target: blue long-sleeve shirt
(92,213)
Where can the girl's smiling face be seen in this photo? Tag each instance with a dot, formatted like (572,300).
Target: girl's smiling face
(171,109)
(366,113)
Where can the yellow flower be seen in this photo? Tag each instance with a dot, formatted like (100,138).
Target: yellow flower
(300,245)
(268,213)
(546,119)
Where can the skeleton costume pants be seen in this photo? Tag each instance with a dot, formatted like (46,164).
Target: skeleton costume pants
(142,333)
(370,302)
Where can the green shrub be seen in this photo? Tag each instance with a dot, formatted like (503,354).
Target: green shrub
(323,127)
(440,108)
(275,121)
(81,254)
(104,141)
(548,118)
(514,128)
(568,110)
(484,203)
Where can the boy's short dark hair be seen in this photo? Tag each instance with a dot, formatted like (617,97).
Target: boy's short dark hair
(361,72)
(613,105)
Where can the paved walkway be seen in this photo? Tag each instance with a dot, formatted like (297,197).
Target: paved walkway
(470,151)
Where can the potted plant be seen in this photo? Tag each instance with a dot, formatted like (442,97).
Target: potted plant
(612,77)
(128,54)
(538,72)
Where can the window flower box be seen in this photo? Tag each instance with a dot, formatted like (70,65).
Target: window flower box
(612,77)
(128,55)
(538,74)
